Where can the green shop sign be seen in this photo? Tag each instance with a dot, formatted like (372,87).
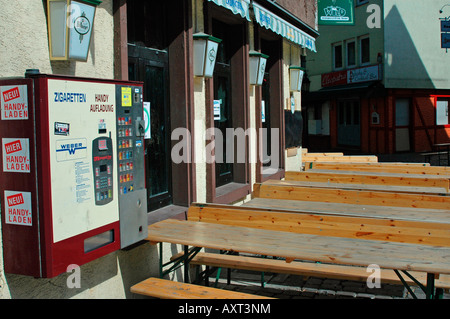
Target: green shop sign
(336,12)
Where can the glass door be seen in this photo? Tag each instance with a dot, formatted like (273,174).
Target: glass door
(265,116)
(402,127)
(349,130)
(222,100)
(222,121)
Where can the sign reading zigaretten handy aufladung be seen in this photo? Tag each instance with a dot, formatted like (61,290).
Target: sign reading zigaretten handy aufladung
(336,12)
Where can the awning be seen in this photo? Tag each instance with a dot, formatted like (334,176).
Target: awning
(273,22)
(240,7)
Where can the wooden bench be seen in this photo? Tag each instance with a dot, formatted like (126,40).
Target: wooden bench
(340,159)
(307,269)
(381,167)
(168,289)
(406,231)
(275,190)
(336,154)
(410,182)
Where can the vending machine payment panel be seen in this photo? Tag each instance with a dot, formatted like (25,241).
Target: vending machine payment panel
(102,160)
(72,181)
(130,154)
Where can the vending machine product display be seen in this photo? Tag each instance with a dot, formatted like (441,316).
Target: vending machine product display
(72,179)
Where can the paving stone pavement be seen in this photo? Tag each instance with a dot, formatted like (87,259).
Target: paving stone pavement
(285,286)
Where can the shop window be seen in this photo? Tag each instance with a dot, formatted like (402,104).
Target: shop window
(315,119)
(442,111)
(364,44)
(144,17)
(337,56)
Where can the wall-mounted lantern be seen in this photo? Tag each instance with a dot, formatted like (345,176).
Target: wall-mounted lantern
(296,77)
(205,53)
(258,63)
(70,25)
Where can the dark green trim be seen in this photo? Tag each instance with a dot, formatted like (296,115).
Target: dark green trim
(256,53)
(296,67)
(92,2)
(206,36)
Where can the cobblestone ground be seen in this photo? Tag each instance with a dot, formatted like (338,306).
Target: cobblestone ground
(284,286)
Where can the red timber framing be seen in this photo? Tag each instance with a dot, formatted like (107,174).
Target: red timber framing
(380,138)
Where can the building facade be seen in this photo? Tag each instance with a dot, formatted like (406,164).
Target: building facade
(193,119)
(380,85)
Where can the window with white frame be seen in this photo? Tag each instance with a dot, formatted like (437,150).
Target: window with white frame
(360,2)
(442,111)
(351,53)
(337,56)
(364,50)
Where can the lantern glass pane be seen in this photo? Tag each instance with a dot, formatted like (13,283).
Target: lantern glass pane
(199,57)
(80,29)
(261,70)
(210,58)
(58,10)
(254,69)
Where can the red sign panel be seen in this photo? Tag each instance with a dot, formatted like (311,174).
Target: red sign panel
(15,199)
(13,147)
(11,94)
(334,78)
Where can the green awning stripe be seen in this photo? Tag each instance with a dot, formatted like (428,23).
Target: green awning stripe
(273,22)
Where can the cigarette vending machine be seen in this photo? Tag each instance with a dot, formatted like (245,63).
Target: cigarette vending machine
(72,174)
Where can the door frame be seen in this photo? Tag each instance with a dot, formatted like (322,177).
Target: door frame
(142,57)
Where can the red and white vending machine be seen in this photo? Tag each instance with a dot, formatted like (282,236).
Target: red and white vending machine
(72,173)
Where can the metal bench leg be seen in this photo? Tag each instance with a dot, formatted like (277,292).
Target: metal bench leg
(207,276)
(219,270)
(430,286)
(186,264)
(161,260)
(439,293)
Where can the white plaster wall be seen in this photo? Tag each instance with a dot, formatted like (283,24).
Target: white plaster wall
(24,42)
(412,40)
(253,140)
(199,114)
(291,56)
(199,142)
